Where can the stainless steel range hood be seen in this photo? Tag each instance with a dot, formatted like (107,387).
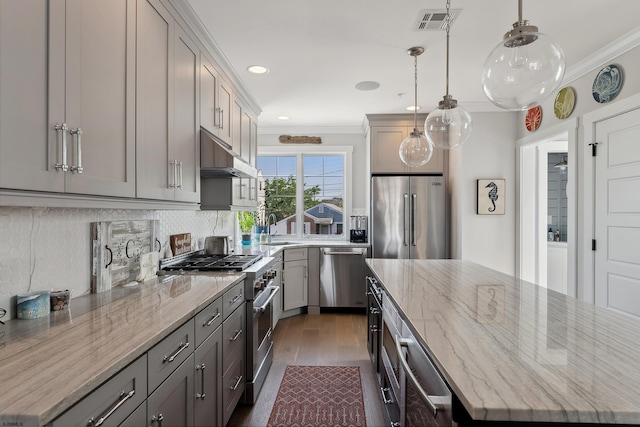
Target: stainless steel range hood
(217,159)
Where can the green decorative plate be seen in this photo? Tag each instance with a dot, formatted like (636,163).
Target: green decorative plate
(564,103)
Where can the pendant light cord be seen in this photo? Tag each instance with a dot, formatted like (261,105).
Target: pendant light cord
(519,10)
(415,93)
(447,26)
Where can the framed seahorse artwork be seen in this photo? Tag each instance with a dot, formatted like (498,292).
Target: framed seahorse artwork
(491,195)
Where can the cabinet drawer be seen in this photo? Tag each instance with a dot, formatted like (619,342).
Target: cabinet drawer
(233,336)
(232,299)
(295,254)
(233,384)
(113,401)
(169,353)
(208,320)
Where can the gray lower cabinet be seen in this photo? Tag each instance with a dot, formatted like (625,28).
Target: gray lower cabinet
(137,418)
(171,405)
(295,280)
(111,403)
(193,377)
(233,361)
(208,381)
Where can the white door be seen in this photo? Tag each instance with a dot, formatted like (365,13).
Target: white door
(617,213)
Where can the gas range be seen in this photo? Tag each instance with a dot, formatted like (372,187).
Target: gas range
(207,262)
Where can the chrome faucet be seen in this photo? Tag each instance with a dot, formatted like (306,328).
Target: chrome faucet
(275,220)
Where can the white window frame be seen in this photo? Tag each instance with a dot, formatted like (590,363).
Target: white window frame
(334,150)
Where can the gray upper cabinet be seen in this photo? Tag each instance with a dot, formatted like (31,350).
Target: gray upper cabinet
(209,112)
(68,124)
(386,134)
(167,142)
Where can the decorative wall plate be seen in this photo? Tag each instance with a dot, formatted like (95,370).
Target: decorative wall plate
(564,103)
(533,118)
(607,83)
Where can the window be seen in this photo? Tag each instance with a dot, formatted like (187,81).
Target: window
(318,203)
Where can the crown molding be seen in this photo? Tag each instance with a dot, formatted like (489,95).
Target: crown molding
(310,130)
(603,56)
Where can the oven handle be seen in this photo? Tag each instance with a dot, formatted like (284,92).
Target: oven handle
(274,290)
(404,342)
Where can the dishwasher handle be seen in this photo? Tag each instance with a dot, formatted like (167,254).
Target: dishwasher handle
(330,252)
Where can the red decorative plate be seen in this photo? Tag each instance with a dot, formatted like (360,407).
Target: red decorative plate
(533,118)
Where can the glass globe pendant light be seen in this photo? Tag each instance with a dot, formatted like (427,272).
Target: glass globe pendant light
(449,125)
(524,69)
(415,150)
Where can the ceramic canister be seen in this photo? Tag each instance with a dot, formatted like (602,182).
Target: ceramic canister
(33,305)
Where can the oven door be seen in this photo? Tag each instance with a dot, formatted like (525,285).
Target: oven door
(262,321)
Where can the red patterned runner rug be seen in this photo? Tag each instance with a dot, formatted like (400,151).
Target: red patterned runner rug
(319,396)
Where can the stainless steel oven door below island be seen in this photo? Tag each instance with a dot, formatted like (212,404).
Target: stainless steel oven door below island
(259,343)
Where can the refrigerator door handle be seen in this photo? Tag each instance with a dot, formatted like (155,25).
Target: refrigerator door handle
(414,202)
(404,219)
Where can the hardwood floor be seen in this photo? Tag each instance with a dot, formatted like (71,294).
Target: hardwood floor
(325,339)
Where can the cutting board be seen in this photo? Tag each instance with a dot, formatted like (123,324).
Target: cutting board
(180,243)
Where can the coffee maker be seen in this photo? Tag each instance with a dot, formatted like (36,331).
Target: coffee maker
(358,233)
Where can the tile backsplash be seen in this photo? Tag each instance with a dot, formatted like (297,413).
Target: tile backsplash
(50,248)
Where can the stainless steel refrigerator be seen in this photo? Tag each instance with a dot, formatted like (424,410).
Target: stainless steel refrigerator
(409,217)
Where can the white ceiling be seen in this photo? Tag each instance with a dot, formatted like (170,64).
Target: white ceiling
(317,51)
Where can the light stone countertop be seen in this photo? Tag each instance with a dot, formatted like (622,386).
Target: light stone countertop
(511,350)
(48,364)
(271,249)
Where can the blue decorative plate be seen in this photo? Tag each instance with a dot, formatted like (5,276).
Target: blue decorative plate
(607,83)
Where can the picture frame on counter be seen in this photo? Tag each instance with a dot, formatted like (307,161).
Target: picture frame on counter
(490,196)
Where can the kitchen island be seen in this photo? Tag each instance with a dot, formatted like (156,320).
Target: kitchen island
(513,352)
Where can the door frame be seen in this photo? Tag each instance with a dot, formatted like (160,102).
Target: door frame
(586,274)
(527,241)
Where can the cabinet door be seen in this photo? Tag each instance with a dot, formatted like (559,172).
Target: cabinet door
(100,97)
(208,381)
(137,418)
(172,403)
(225,106)
(245,136)
(186,125)
(209,80)
(236,127)
(253,151)
(29,145)
(295,284)
(277,301)
(155,36)
(385,143)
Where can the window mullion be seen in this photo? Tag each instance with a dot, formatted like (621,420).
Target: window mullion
(299,196)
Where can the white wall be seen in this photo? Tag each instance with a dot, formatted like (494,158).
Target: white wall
(489,153)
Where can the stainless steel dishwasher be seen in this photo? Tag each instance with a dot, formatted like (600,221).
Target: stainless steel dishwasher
(342,277)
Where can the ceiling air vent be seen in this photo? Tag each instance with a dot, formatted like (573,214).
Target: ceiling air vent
(433,19)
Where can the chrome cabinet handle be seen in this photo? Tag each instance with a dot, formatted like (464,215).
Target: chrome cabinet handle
(374,310)
(404,342)
(78,134)
(413,218)
(169,359)
(213,319)
(220,118)
(274,290)
(201,369)
(180,175)
(235,386)
(62,164)
(124,396)
(234,299)
(359,253)
(386,400)
(374,328)
(174,164)
(404,219)
(236,336)
(159,418)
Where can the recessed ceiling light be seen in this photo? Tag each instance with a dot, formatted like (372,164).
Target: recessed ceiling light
(413,108)
(367,85)
(283,117)
(257,69)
